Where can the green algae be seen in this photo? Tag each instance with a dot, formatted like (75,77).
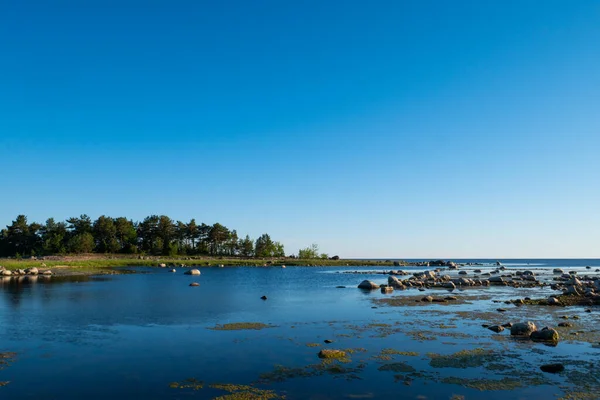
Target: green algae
(190,383)
(491,384)
(332,354)
(238,326)
(397,367)
(462,359)
(244,392)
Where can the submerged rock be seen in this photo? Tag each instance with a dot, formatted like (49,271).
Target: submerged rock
(496,328)
(553,368)
(332,354)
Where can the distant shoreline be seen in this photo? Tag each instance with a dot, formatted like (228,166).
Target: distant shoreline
(94,261)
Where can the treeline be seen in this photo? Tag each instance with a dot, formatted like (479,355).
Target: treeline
(155,235)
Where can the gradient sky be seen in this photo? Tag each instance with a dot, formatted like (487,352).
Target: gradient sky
(374,129)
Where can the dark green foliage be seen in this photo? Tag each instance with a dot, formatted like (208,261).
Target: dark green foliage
(155,235)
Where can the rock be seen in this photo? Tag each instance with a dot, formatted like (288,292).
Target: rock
(449,285)
(496,328)
(162,265)
(387,289)
(496,280)
(507,325)
(553,301)
(194,284)
(192,272)
(173,270)
(47,272)
(340,287)
(394,282)
(427,299)
(501,309)
(572,291)
(545,335)
(565,324)
(573,282)
(6,272)
(450,298)
(553,368)
(263,297)
(558,271)
(462,272)
(328,341)
(477,271)
(396,264)
(522,329)
(332,354)
(368,285)
(32,271)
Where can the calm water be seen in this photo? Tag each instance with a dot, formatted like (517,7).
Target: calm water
(130,336)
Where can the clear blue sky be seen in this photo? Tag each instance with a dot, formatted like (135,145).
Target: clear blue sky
(375,129)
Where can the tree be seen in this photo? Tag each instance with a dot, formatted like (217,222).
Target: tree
(309,252)
(193,233)
(246,247)
(105,235)
(166,232)
(148,234)
(79,225)
(54,237)
(81,243)
(217,236)
(264,246)
(126,235)
(18,238)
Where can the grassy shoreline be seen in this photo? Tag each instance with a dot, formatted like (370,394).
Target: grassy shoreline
(114,261)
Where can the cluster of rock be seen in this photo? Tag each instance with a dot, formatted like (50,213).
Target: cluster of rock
(570,285)
(529,330)
(20,272)
(434,279)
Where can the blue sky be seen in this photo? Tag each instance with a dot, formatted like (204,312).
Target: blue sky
(374,129)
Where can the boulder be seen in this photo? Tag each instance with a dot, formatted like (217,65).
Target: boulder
(553,301)
(496,280)
(449,285)
(32,271)
(47,272)
(427,299)
(163,265)
(6,272)
(368,285)
(558,271)
(192,272)
(522,329)
(545,335)
(394,282)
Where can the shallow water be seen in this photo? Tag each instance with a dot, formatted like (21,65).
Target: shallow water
(124,336)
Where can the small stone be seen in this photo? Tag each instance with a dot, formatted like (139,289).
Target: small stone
(328,341)
(194,284)
(552,368)
(263,297)
(565,324)
(427,299)
(496,328)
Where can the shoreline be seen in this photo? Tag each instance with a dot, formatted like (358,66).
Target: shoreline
(100,264)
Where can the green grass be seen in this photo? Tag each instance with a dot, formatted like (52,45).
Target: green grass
(109,261)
